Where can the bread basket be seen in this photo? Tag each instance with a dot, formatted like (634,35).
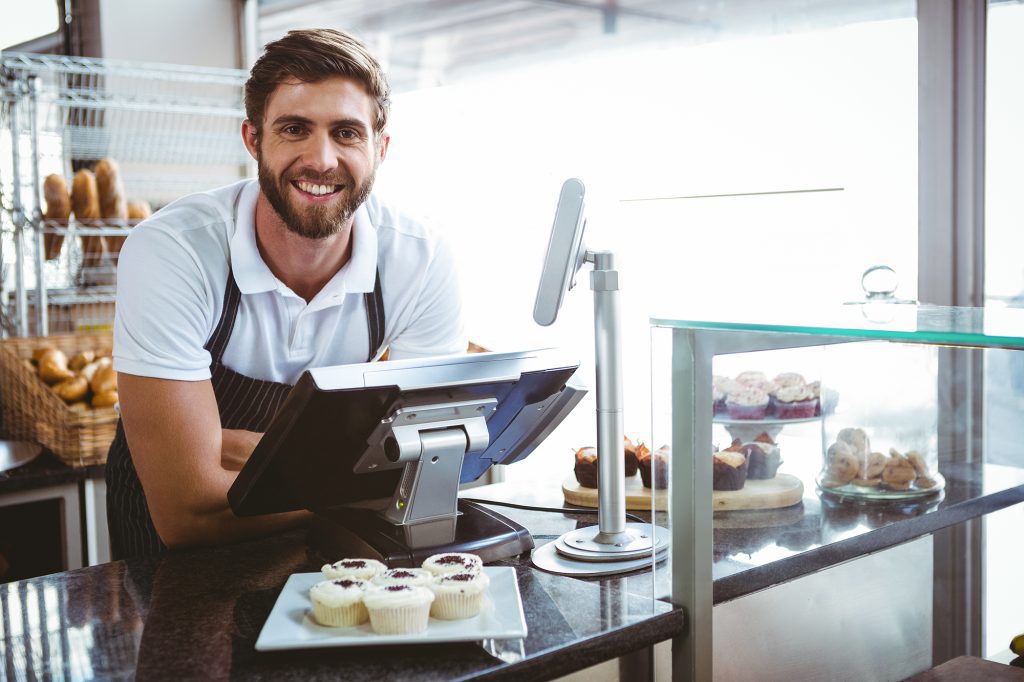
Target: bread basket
(32,411)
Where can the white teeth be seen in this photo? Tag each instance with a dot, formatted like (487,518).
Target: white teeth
(317,190)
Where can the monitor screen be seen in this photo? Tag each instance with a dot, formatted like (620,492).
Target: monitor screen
(310,456)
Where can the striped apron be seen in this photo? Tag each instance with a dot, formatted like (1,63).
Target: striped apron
(243,403)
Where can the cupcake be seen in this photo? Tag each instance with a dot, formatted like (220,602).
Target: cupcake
(339,603)
(795,402)
(458,595)
(654,467)
(452,562)
(751,377)
(747,403)
(586,467)
(729,470)
(789,379)
(398,609)
(415,577)
(363,569)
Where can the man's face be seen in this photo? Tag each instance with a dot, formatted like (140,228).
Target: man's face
(316,153)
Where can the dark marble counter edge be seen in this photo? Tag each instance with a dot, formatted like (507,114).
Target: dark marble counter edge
(782,570)
(44,471)
(557,662)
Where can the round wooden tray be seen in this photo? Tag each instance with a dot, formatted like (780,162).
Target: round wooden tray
(782,491)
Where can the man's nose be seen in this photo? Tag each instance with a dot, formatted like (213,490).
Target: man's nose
(321,154)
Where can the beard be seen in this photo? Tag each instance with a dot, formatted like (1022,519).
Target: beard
(314,222)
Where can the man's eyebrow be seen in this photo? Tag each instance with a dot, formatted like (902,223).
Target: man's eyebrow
(289,119)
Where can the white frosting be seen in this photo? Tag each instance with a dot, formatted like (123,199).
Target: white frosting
(748,396)
(789,379)
(794,393)
(335,593)
(453,562)
(404,576)
(364,569)
(465,583)
(397,596)
(751,377)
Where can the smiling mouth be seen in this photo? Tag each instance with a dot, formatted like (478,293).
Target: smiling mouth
(317,190)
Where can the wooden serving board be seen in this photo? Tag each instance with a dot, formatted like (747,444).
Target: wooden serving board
(782,491)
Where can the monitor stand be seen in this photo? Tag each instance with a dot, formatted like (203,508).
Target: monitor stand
(364,533)
(424,516)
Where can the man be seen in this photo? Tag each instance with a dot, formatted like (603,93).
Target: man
(225,297)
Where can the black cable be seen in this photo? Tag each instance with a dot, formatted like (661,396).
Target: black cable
(557,510)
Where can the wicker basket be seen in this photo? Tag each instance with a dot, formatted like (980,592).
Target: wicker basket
(32,411)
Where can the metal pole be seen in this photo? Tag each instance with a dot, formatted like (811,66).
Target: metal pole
(604,281)
(14,89)
(42,308)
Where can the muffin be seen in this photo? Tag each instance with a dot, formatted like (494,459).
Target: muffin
(729,470)
(363,569)
(452,562)
(763,458)
(747,403)
(398,609)
(795,402)
(630,451)
(458,595)
(339,603)
(586,467)
(416,577)
(655,463)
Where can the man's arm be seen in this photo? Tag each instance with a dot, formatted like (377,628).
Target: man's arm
(182,456)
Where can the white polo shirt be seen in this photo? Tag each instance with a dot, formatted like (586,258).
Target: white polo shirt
(173,269)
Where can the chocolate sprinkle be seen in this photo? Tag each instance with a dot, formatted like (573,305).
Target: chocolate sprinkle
(402,574)
(461,577)
(449,559)
(356,563)
(397,588)
(345,583)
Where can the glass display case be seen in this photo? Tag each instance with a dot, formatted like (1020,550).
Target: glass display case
(891,444)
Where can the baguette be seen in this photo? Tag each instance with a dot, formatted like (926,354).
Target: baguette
(113,205)
(85,202)
(58,210)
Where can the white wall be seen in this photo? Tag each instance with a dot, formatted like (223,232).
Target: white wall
(192,32)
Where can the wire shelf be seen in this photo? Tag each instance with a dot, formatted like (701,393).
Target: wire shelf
(172,129)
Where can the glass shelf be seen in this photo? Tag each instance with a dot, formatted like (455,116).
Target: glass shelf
(985,327)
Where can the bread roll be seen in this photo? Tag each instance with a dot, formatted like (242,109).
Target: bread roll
(53,367)
(85,202)
(80,360)
(139,210)
(73,389)
(38,353)
(105,399)
(89,370)
(103,380)
(58,210)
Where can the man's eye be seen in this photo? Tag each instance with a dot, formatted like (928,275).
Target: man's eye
(348,134)
(292,130)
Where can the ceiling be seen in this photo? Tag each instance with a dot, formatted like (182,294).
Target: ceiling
(424,43)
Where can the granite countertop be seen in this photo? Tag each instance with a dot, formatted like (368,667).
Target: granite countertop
(196,614)
(45,470)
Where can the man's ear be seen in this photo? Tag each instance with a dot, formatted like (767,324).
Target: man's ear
(385,140)
(249,135)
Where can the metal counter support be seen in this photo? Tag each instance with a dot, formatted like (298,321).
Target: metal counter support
(690,480)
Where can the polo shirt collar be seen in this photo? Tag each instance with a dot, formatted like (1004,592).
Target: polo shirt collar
(253,276)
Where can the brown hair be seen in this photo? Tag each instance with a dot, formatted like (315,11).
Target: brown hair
(312,55)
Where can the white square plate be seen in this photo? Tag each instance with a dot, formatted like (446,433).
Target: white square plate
(290,624)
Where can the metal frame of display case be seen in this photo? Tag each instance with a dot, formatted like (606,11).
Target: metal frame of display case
(173,130)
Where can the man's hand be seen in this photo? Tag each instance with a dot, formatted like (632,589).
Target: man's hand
(237,447)
(182,456)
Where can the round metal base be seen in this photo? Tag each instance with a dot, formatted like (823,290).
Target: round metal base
(637,541)
(547,558)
